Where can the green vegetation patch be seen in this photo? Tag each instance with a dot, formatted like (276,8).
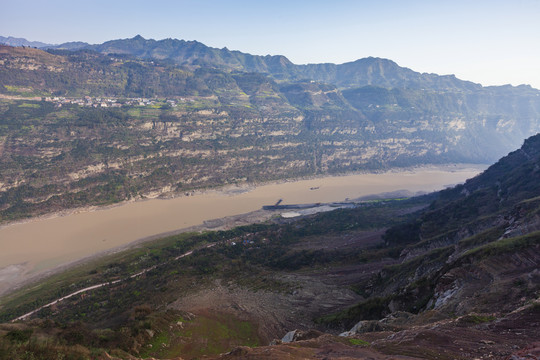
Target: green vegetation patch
(19,336)
(359,342)
(25,91)
(504,246)
(206,334)
(28,105)
(477,318)
(483,238)
(134,112)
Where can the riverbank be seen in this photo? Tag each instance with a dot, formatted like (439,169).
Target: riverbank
(37,247)
(14,277)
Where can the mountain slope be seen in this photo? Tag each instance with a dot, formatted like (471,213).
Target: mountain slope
(368,71)
(363,72)
(469,249)
(484,121)
(383,73)
(184,52)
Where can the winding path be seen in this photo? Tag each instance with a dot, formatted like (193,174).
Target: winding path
(90,288)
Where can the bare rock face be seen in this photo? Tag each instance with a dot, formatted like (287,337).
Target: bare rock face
(392,322)
(289,337)
(363,327)
(299,335)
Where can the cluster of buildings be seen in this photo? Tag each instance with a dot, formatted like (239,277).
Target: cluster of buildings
(85,101)
(106,102)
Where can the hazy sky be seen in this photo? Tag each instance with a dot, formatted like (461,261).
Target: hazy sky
(492,42)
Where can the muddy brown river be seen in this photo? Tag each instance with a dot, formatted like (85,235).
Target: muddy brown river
(35,246)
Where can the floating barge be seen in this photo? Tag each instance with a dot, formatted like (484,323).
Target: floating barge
(277,206)
(289,207)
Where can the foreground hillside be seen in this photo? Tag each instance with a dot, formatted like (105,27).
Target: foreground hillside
(111,123)
(452,275)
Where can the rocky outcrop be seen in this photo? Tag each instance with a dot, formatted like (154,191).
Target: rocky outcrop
(299,335)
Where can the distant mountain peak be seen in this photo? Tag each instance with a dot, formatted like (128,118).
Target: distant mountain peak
(13,41)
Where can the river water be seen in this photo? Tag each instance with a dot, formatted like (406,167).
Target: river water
(44,243)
